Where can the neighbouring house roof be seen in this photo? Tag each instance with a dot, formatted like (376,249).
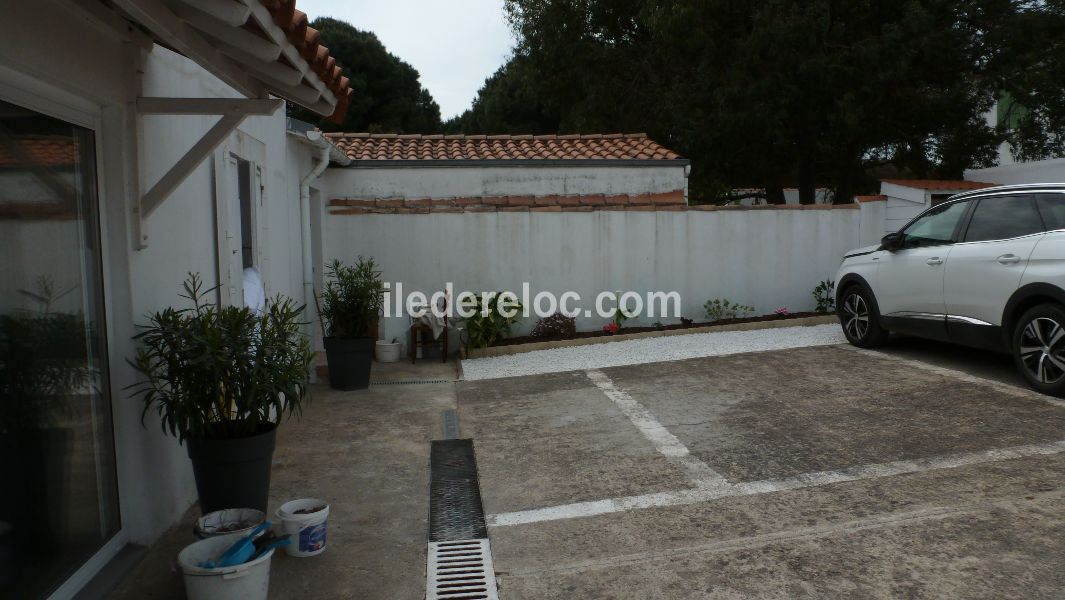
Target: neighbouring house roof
(939,184)
(606,147)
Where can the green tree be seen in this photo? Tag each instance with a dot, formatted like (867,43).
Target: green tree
(1027,63)
(787,93)
(387,94)
(509,102)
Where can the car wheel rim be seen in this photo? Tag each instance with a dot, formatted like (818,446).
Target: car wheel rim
(1041,349)
(855,317)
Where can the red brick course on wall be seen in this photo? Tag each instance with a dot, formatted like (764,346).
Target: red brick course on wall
(666,201)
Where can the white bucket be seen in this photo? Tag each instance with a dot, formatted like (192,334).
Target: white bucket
(249,581)
(388,352)
(307,530)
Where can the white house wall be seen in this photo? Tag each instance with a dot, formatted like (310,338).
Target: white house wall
(71,64)
(526,180)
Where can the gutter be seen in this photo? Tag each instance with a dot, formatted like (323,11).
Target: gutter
(326,152)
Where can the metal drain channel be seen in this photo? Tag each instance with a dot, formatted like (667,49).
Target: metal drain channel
(408,381)
(459,556)
(451,424)
(460,570)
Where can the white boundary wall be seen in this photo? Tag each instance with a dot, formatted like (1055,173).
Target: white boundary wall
(763,258)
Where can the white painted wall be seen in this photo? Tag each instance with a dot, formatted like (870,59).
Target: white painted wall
(764,258)
(461,181)
(53,59)
(1039,171)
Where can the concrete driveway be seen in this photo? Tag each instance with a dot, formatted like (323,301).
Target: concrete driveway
(824,471)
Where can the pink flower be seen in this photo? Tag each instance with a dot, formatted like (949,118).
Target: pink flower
(611,328)
(782,311)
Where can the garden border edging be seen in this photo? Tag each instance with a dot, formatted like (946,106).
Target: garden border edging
(754,325)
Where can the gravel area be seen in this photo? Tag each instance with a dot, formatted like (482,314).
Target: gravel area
(658,349)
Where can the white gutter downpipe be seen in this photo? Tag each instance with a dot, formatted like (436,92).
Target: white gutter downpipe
(305,219)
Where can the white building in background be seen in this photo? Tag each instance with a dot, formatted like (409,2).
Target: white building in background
(140,140)
(1010,170)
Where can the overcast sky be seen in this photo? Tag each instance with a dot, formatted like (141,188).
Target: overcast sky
(454,44)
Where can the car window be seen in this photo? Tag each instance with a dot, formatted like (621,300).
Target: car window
(1002,218)
(934,227)
(1052,208)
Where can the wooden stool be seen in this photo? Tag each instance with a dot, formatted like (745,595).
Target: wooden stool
(416,329)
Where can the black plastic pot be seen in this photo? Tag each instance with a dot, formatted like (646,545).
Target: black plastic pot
(233,473)
(349,362)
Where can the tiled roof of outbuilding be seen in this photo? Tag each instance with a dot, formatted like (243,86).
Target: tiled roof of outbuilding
(390,146)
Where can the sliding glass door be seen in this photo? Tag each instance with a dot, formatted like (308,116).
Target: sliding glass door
(58,491)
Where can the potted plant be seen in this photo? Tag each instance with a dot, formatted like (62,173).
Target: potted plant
(388,351)
(350,305)
(221,380)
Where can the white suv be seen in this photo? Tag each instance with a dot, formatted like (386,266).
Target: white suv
(984,268)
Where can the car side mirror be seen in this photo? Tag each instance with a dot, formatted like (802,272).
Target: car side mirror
(891,242)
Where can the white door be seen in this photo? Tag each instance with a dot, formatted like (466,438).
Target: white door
(985,268)
(909,281)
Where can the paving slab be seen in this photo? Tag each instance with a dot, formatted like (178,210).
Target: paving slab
(779,414)
(555,439)
(991,528)
(367,454)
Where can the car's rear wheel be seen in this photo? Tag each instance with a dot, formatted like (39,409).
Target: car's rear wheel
(1039,348)
(859,319)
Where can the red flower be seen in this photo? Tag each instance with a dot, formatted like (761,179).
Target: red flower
(611,328)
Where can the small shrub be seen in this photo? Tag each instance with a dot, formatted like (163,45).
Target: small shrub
(488,325)
(352,298)
(825,296)
(557,325)
(620,316)
(719,309)
(782,312)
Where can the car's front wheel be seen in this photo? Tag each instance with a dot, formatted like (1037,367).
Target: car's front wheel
(1039,348)
(859,319)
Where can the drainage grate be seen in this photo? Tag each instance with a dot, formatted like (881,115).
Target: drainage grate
(409,381)
(451,424)
(455,511)
(460,569)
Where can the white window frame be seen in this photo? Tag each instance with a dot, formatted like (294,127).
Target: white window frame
(34,94)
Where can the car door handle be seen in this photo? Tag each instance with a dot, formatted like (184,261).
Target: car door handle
(935,260)
(1008,259)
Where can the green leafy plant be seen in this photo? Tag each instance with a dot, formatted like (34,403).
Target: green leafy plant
(719,309)
(557,325)
(620,316)
(825,296)
(221,373)
(487,325)
(352,299)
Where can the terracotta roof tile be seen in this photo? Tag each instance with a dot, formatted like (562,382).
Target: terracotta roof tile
(43,151)
(939,184)
(305,38)
(390,146)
